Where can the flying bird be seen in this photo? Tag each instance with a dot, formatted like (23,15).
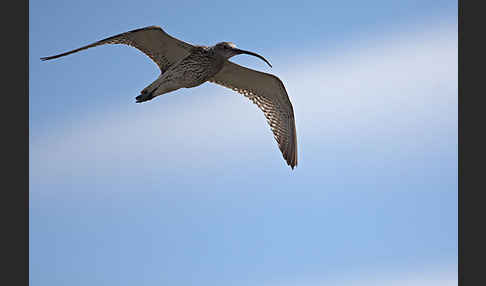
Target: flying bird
(183,65)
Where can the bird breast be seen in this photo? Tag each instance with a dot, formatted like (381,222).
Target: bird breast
(198,67)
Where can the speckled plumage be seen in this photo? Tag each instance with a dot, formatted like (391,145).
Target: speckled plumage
(183,65)
(200,65)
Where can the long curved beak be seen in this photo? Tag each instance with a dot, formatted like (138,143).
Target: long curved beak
(238,51)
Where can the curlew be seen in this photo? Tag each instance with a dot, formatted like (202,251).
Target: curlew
(183,65)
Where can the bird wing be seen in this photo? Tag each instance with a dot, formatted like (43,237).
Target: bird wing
(268,93)
(163,49)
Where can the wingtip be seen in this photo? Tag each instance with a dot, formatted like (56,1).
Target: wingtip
(292,165)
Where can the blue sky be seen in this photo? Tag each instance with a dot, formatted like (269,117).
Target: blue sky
(191,189)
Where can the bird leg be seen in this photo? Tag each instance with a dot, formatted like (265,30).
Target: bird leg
(145,96)
(161,86)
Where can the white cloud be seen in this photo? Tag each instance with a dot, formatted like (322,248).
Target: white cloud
(392,85)
(430,276)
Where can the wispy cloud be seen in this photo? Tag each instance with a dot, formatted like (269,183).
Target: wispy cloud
(445,276)
(400,84)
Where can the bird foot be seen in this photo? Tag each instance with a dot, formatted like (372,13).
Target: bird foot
(144,97)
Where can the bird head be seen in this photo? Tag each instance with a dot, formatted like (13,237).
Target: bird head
(228,50)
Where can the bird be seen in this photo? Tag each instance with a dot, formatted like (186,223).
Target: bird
(183,65)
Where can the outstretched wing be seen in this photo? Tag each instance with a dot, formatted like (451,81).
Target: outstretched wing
(268,92)
(163,49)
